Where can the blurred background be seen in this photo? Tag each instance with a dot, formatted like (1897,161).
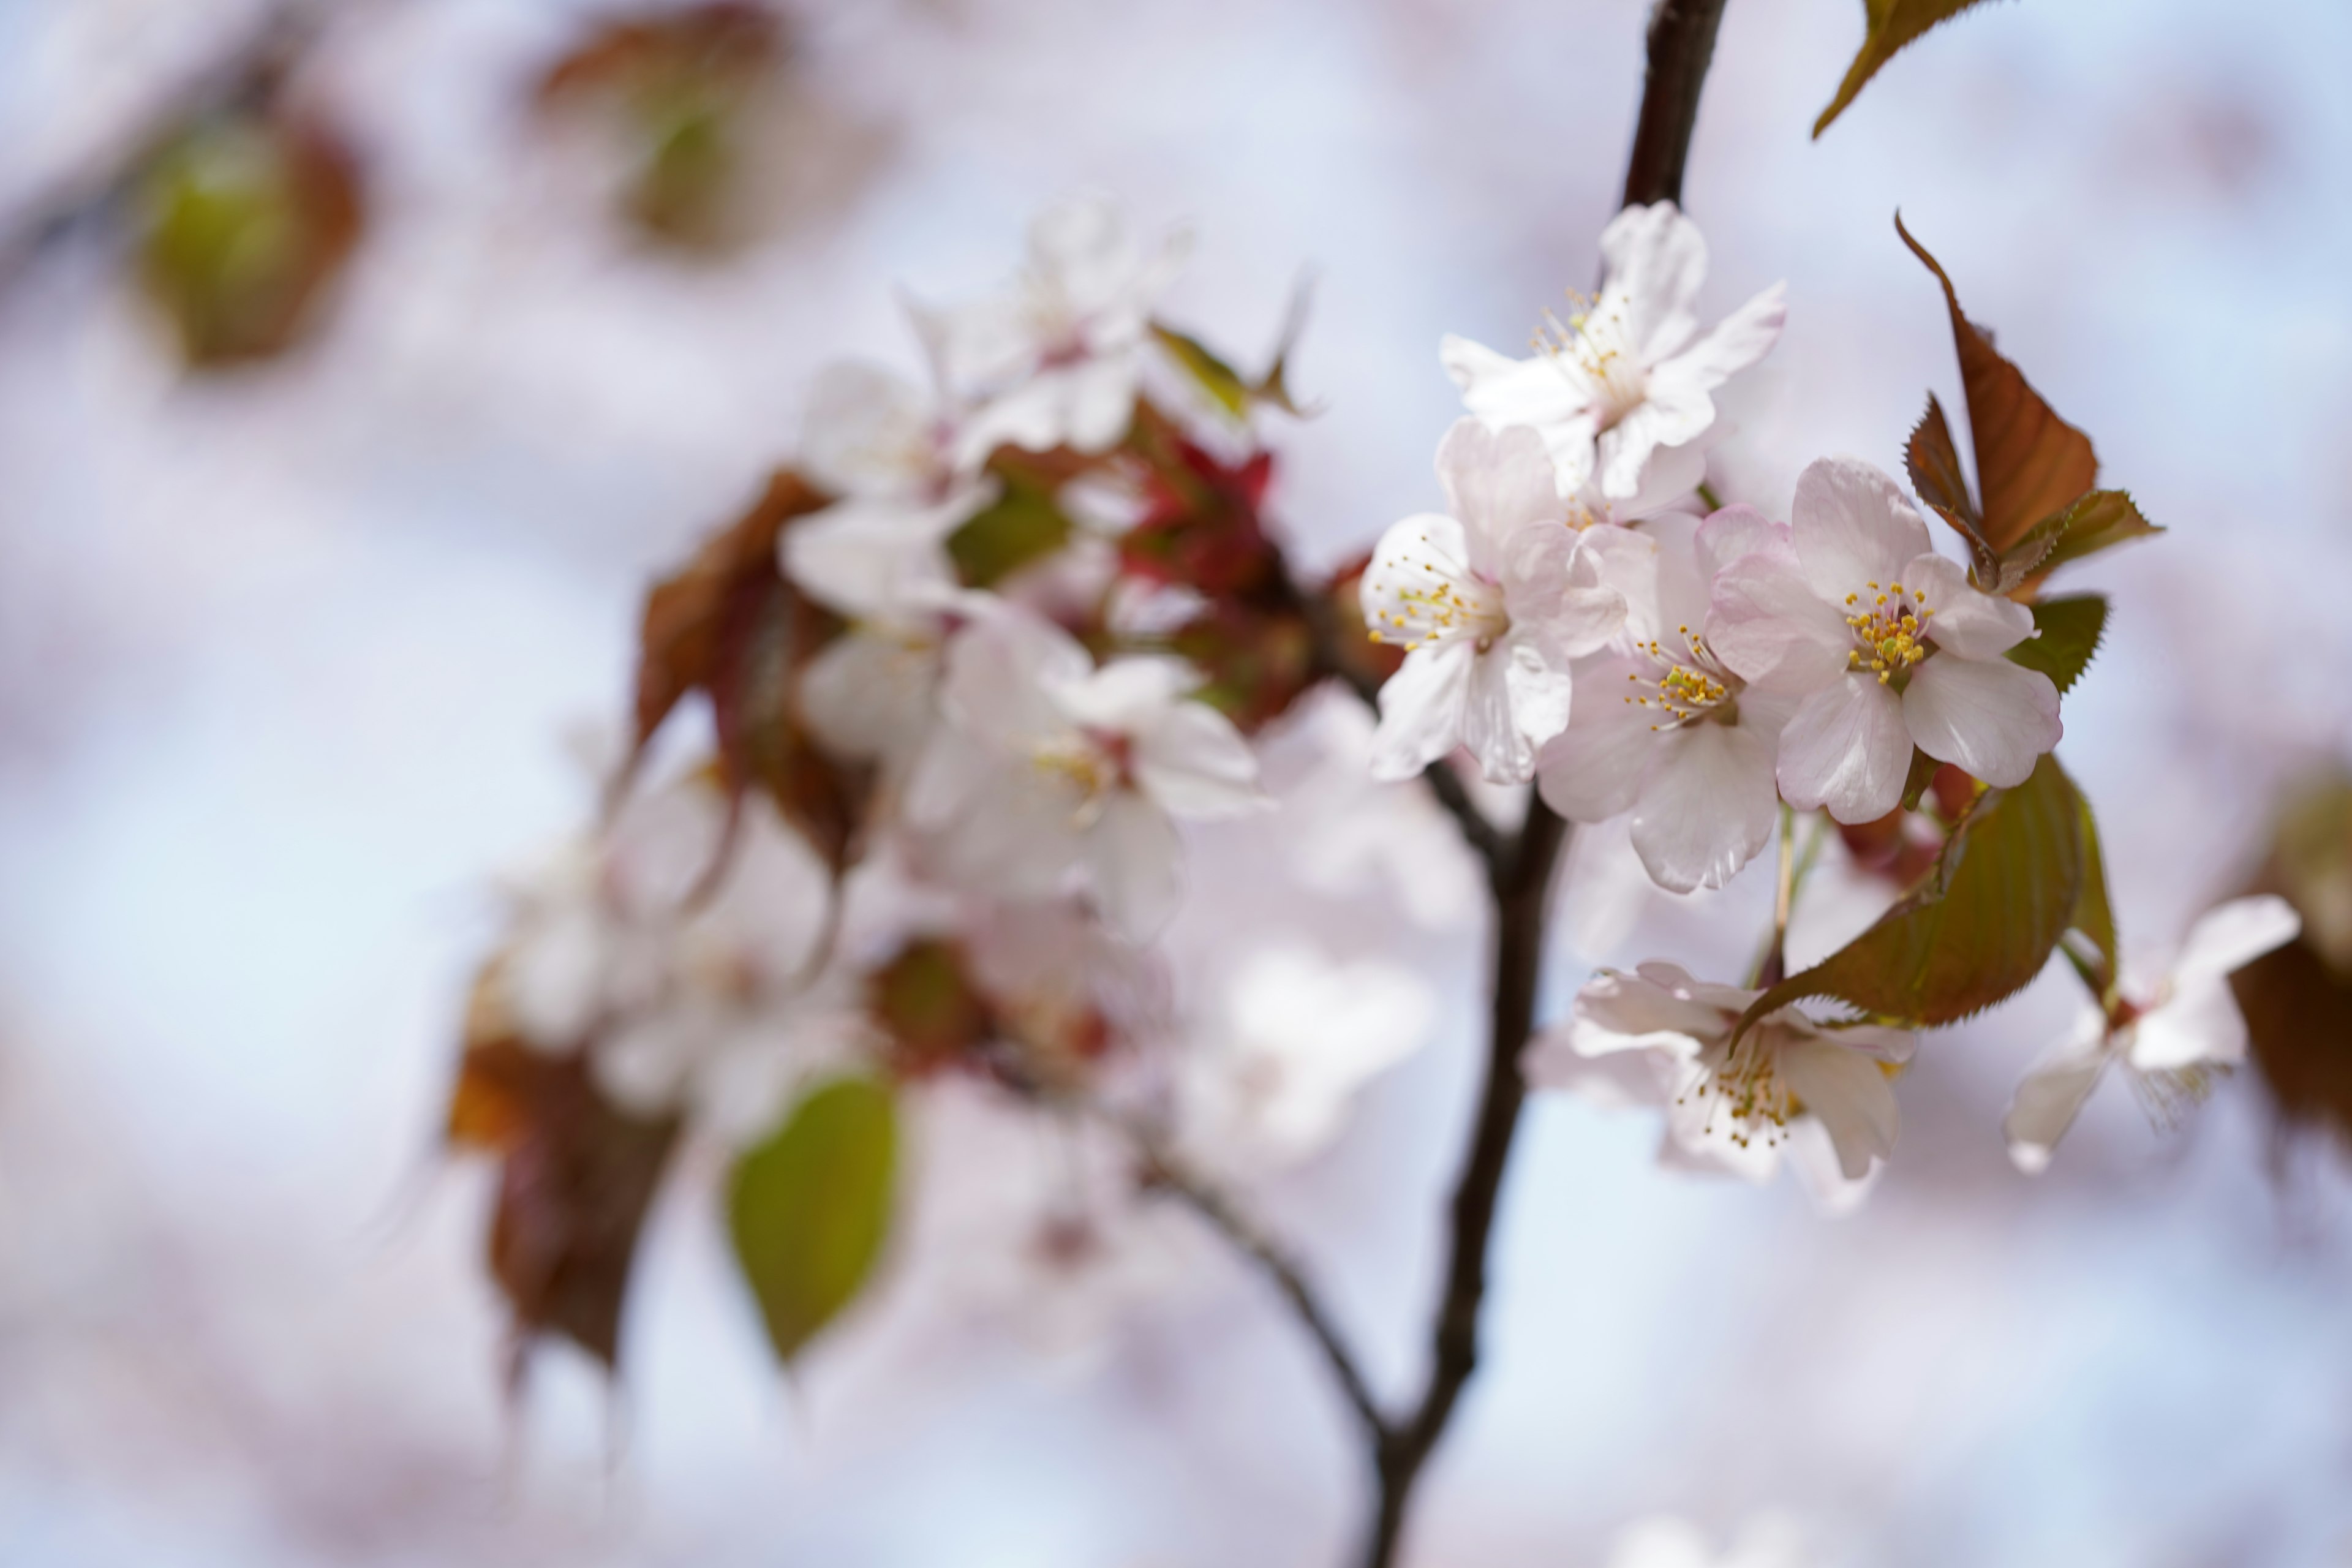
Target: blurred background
(293,649)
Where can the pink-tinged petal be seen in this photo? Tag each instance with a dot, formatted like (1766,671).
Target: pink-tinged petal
(1812,1156)
(1592,770)
(1771,629)
(1642,1012)
(1851,526)
(1537,392)
(1136,861)
(1627,560)
(1623,451)
(1964,622)
(1654,259)
(2052,1093)
(1498,483)
(1668,484)
(2230,936)
(1194,764)
(1519,696)
(1852,1097)
(2200,1022)
(1846,749)
(1707,807)
(1728,1001)
(1736,341)
(1421,710)
(1732,531)
(1989,718)
(1013,832)
(1875,1040)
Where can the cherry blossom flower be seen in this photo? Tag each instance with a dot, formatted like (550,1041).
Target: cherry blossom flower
(1491,604)
(1050,766)
(871,435)
(1055,360)
(1661,728)
(1886,642)
(1629,372)
(1301,1034)
(2169,1037)
(1658,1037)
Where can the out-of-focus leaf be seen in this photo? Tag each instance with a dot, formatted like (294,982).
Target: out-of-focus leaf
(2297,1000)
(2030,463)
(575,1178)
(246,221)
(925,1001)
(1935,467)
(1980,929)
(1888,26)
(1360,657)
(2069,629)
(2098,521)
(810,1208)
(1026,523)
(2093,930)
(1226,386)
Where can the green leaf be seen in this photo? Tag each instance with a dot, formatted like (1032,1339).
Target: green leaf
(2026,558)
(2069,630)
(1024,524)
(1933,464)
(2098,521)
(1979,929)
(2093,925)
(809,1209)
(1221,381)
(1888,25)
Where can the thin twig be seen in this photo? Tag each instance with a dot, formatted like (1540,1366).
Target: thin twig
(1224,1216)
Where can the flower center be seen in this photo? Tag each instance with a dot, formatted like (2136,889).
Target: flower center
(1890,629)
(1595,341)
(1445,609)
(1746,1086)
(1689,685)
(1090,764)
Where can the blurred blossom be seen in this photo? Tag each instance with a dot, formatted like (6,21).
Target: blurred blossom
(1353,835)
(1268,1082)
(1666,1542)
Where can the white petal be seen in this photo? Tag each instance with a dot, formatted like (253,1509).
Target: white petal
(1965,622)
(2200,1022)
(1498,483)
(1770,626)
(1664,418)
(1656,259)
(2230,936)
(998,672)
(1420,550)
(1592,770)
(1673,472)
(1137,863)
(866,431)
(1085,247)
(1612,1080)
(1518,696)
(1555,589)
(866,697)
(1707,807)
(1097,398)
(1846,749)
(1736,341)
(1650,1010)
(1853,526)
(1126,695)
(1013,831)
(1550,395)
(1851,1095)
(2051,1093)
(1812,1155)
(1990,717)
(875,560)
(1423,708)
(1195,765)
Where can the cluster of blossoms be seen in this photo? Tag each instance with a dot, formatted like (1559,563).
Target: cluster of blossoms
(1004,651)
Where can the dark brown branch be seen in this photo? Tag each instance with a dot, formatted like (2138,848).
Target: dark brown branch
(1682,46)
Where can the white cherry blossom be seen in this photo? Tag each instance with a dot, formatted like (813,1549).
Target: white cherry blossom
(1659,1037)
(1662,729)
(1055,360)
(1301,1034)
(1629,372)
(1049,767)
(2168,1035)
(1491,603)
(1886,642)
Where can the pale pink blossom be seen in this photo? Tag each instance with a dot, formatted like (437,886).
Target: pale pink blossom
(1886,642)
(1492,602)
(1629,372)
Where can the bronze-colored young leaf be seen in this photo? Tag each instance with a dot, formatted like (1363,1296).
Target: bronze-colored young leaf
(2069,631)
(2091,934)
(1981,926)
(1933,464)
(2098,521)
(1888,26)
(2029,462)
(1221,381)
(2297,1000)
(810,1208)
(575,1178)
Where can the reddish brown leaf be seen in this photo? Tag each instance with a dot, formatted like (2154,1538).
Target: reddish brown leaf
(2029,462)
(1933,464)
(926,1001)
